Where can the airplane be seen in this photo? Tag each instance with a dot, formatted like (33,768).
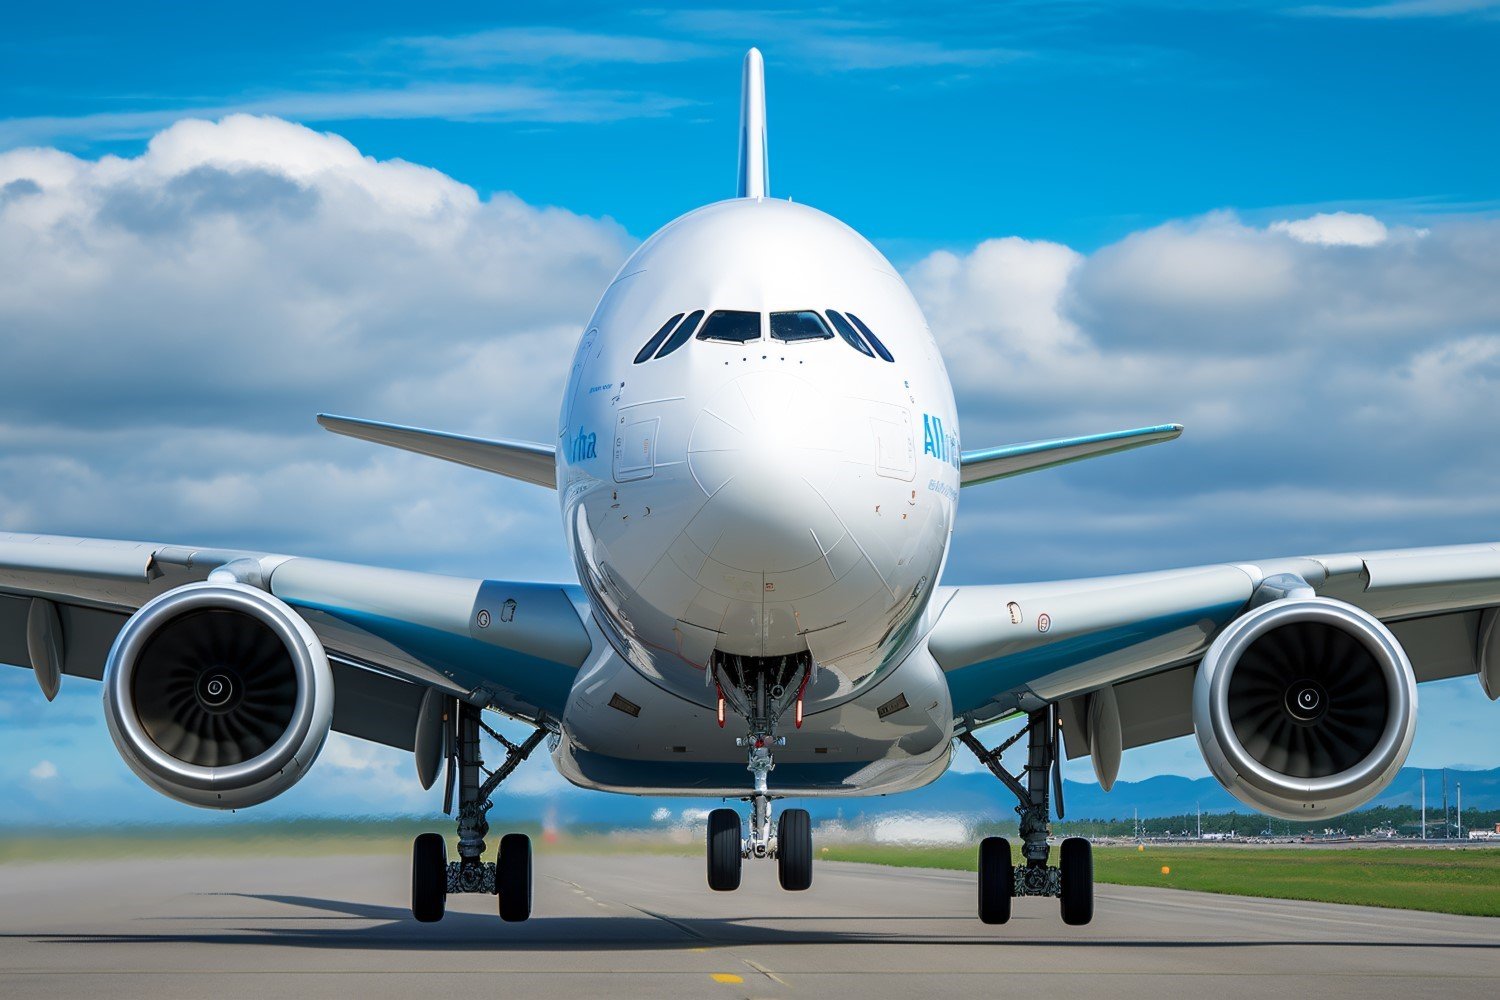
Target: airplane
(758,464)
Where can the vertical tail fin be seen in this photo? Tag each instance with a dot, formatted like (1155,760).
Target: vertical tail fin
(755,171)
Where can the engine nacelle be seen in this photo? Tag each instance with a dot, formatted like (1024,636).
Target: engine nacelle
(218,695)
(1305,707)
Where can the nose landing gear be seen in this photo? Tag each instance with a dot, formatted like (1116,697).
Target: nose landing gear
(433,876)
(761,690)
(1072,881)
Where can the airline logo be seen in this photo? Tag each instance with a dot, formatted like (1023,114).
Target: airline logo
(583,446)
(937,442)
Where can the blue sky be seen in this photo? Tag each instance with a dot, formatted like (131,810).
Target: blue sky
(1274,222)
(1077,122)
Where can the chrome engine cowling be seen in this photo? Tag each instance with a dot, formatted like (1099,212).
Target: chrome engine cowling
(1305,707)
(218,695)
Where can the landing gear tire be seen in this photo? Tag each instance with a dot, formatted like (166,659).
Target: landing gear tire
(997,880)
(794,851)
(724,836)
(1076,859)
(429,877)
(513,877)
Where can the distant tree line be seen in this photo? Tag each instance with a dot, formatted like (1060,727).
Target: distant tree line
(1405,821)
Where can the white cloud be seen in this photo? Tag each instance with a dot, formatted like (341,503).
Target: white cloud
(173,321)
(346,754)
(473,102)
(541,44)
(44,771)
(1333,399)
(1399,9)
(1335,229)
(821,42)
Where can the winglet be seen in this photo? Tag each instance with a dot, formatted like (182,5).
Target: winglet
(755,170)
(990,464)
(530,463)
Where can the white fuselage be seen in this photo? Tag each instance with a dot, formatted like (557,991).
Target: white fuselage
(761,497)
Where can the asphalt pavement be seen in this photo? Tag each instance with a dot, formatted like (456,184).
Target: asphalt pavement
(644,926)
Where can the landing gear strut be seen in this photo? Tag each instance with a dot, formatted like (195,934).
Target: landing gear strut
(1072,881)
(761,690)
(433,876)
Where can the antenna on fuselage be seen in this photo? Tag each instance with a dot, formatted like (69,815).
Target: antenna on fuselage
(755,170)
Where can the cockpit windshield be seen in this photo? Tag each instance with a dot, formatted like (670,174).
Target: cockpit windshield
(656,339)
(794,327)
(850,336)
(885,355)
(737,326)
(681,334)
(731,326)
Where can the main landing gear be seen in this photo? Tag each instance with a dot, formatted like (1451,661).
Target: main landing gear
(433,876)
(762,690)
(1000,881)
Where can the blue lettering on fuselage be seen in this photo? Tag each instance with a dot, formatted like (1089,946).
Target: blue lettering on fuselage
(939,443)
(583,447)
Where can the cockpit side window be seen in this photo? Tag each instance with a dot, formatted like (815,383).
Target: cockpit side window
(850,336)
(885,355)
(731,326)
(795,327)
(656,339)
(681,334)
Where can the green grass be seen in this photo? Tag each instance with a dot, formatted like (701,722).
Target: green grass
(1465,881)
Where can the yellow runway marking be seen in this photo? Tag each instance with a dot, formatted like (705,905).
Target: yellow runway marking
(726,977)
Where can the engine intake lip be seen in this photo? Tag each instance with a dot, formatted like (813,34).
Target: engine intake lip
(1400,702)
(308,662)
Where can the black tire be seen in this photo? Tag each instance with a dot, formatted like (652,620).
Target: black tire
(429,877)
(724,850)
(997,880)
(513,877)
(794,850)
(1077,862)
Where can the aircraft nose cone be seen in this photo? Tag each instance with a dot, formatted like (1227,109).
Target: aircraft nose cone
(764,451)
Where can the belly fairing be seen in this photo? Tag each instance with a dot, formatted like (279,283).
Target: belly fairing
(623,733)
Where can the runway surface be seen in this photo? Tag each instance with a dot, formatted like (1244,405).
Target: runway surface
(633,926)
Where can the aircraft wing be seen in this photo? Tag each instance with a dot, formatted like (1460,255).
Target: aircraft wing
(1015,647)
(391,635)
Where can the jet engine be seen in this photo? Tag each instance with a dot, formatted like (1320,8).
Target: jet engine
(1305,707)
(218,695)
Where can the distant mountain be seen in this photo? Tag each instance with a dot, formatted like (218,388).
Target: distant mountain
(979,797)
(973,797)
